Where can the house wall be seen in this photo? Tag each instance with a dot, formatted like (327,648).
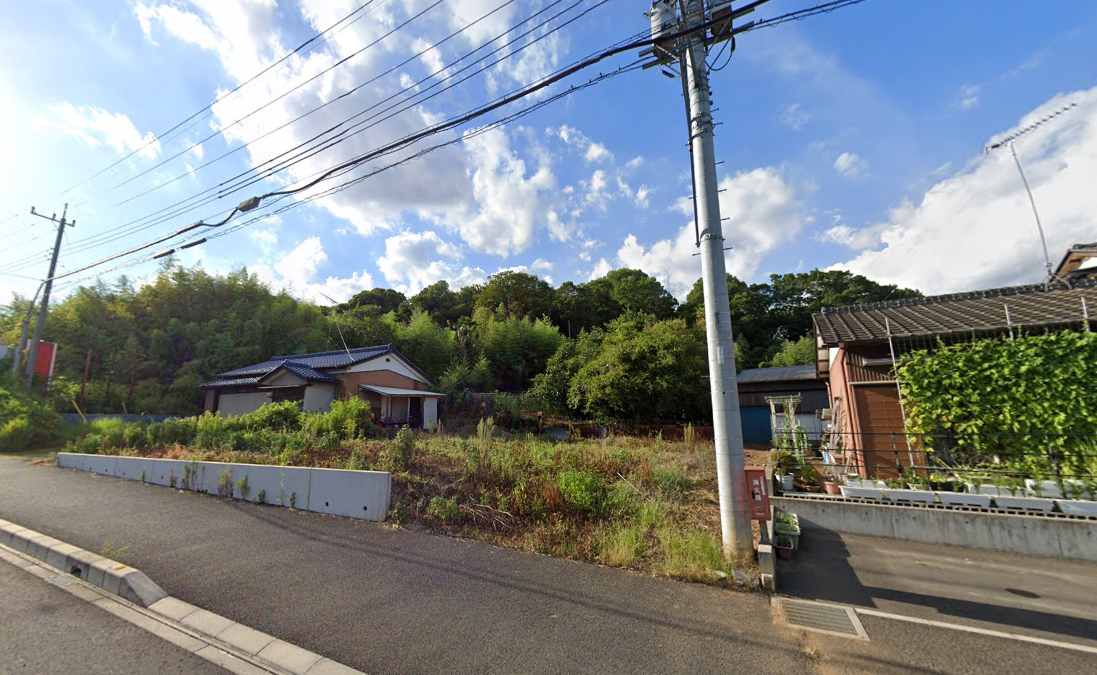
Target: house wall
(393,363)
(234,405)
(430,412)
(380,378)
(209,400)
(284,379)
(318,397)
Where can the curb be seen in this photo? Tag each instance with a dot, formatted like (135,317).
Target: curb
(262,650)
(110,575)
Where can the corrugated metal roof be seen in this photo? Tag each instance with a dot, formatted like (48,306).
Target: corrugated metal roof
(337,359)
(395,391)
(780,374)
(945,314)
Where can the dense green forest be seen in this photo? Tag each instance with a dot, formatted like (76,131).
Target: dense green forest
(617,347)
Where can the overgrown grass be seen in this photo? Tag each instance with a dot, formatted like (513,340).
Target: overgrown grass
(645,504)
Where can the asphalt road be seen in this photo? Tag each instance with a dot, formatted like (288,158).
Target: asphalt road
(43,629)
(1036,597)
(390,601)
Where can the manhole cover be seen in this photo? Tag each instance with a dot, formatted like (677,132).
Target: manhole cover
(822,618)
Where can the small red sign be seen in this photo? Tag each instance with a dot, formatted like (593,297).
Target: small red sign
(47,357)
(758,493)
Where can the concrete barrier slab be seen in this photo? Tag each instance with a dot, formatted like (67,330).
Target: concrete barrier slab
(71,460)
(100,464)
(282,485)
(209,476)
(355,494)
(165,472)
(131,468)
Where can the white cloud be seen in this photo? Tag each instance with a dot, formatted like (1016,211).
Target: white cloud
(762,211)
(414,260)
(643,194)
(597,153)
(96,127)
(795,117)
(975,229)
(592,151)
(601,269)
(856,239)
(509,204)
(967,97)
(634,163)
(596,190)
(298,270)
(851,166)
(541,265)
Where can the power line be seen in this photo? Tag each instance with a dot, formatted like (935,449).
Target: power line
(274,100)
(254,202)
(204,111)
(417,99)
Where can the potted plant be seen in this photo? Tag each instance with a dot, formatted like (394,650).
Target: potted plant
(831,486)
(786,465)
(788,524)
(1008,497)
(783,544)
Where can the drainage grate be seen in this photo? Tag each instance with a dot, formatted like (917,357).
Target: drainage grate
(823,618)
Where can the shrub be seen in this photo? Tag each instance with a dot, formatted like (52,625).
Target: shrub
(173,431)
(224,484)
(284,416)
(443,509)
(583,490)
(357,460)
(399,453)
(27,421)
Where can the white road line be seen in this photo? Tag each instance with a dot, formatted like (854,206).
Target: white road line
(981,631)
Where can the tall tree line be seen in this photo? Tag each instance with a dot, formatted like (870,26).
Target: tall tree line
(619,346)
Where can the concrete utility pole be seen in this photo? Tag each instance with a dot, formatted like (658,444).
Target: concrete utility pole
(728,431)
(32,355)
(23,334)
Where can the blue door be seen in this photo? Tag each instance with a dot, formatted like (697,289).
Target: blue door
(756,424)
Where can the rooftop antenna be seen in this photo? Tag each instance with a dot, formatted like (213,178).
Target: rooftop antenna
(335,316)
(1009,140)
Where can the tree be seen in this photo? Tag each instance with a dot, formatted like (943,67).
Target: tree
(519,293)
(635,291)
(385,299)
(445,306)
(579,307)
(518,348)
(793,353)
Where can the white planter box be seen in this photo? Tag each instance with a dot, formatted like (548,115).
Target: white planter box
(1078,507)
(862,483)
(912,496)
(964,499)
(1024,503)
(862,493)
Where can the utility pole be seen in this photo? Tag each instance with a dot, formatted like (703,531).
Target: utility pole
(691,52)
(32,355)
(23,334)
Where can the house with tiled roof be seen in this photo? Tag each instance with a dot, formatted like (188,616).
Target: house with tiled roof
(858,346)
(397,390)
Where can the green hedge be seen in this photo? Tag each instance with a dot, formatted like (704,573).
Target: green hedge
(1021,400)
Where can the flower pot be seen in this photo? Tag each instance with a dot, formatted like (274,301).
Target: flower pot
(964,499)
(864,483)
(1078,507)
(784,552)
(832,487)
(788,483)
(862,492)
(911,496)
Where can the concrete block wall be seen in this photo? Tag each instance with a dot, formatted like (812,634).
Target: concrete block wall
(364,495)
(1037,535)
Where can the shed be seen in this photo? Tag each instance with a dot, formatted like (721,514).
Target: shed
(755,384)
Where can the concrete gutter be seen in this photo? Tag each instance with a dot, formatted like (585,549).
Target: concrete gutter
(204,633)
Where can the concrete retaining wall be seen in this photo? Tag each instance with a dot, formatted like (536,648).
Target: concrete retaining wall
(1047,536)
(364,495)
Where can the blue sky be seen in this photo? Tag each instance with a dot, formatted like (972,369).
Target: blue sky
(851,141)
